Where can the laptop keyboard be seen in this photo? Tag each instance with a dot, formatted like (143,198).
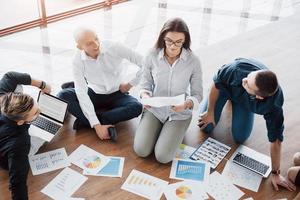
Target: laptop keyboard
(46,125)
(250,163)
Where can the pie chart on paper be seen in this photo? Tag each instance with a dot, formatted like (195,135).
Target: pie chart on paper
(92,162)
(183,192)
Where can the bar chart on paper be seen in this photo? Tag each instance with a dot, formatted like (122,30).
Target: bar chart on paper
(144,185)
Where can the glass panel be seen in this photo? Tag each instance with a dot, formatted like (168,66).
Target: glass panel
(58,6)
(14,12)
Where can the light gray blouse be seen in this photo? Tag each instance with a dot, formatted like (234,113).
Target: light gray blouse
(160,79)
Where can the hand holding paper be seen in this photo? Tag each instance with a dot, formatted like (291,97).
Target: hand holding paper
(163,101)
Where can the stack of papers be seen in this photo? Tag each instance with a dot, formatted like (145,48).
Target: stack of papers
(211,151)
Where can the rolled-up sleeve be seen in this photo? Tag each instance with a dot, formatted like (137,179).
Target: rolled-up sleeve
(196,86)
(133,57)
(147,82)
(11,79)
(224,76)
(274,122)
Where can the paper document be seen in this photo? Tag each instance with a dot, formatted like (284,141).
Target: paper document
(48,161)
(186,190)
(35,144)
(144,185)
(64,184)
(163,101)
(184,152)
(242,177)
(88,159)
(211,151)
(189,170)
(221,188)
(114,168)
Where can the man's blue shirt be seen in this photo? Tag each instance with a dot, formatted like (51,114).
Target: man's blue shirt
(229,81)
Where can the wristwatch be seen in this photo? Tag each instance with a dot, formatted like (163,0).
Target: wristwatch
(276,172)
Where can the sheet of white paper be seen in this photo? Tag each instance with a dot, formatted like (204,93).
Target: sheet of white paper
(190,170)
(184,151)
(221,188)
(35,144)
(242,177)
(250,198)
(163,101)
(114,168)
(144,185)
(88,159)
(64,184)
(48,161)
(211,151)
(186,190)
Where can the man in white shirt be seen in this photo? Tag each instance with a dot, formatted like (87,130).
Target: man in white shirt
(98,83)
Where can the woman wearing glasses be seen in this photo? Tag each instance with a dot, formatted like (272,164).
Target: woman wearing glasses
(17,111)
(170,69)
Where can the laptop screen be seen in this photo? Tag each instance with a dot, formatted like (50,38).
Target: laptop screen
(52,106)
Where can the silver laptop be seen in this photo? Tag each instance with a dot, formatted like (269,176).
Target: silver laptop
(252,160)
(51,118)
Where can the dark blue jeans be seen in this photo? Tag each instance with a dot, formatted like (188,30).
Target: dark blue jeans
(110,108)
(242,119)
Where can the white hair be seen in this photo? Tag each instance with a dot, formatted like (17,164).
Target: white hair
(79,32)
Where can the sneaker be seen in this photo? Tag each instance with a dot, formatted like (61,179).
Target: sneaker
(113,133)
(78,125)
(68,85)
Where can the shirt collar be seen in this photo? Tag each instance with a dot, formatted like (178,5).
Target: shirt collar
(183,55)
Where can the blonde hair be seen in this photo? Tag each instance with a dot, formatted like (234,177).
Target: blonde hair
(16,106)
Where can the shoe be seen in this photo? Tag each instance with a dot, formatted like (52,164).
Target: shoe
(68,85)
(113,133)
(78,125)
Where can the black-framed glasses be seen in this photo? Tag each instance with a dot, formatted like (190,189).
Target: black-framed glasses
(169,42)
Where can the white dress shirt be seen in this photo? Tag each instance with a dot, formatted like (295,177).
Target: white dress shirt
(160,79)
(103,74)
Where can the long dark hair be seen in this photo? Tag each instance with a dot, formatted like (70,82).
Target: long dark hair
(174,25)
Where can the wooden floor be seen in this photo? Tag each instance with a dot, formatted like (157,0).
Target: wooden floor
(276,45)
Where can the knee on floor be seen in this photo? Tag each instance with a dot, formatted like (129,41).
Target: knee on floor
(296,159)
(141,151)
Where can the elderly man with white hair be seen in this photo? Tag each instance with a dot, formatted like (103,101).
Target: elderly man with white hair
(100,99)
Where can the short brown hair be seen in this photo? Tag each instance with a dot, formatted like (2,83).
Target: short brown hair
(16,106)
(174,25)
(266,82)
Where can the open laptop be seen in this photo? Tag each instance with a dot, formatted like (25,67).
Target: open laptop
(252,160)
(51,118)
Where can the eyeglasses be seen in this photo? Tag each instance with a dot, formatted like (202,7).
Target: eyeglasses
(169,42)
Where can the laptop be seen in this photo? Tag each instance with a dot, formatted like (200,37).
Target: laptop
(51,118)
(252,160)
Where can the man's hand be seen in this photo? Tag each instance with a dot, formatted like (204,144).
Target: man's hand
(205,119)
(102,131)
(47,89)
(277,180)
(125,87)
